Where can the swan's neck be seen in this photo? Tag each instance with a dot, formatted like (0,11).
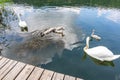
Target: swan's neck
(93,32)
(19,17)
(87,42)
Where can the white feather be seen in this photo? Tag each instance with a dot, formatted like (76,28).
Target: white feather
(101,53)
(95,36)
(21,23)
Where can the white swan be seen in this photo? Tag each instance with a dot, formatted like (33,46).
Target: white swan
(22,24)
(95,36)
(100,52)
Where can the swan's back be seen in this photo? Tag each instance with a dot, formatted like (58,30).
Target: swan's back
(101,53)
(96,37)
(22,24)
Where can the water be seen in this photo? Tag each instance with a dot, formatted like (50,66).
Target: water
(62,54)
(106,22)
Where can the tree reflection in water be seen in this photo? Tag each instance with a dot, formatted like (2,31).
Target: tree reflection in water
(35,50)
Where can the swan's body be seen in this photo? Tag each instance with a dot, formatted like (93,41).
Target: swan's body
(95,36)
(22,24)
(100,52)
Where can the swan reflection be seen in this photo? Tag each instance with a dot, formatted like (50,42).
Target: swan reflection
(98,62)
(34,50)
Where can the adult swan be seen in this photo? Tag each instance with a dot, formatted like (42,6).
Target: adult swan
(22,24)
(100,52)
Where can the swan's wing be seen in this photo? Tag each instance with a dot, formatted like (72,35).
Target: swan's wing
(96,37)
(22,24)
(111,58)
(100,53)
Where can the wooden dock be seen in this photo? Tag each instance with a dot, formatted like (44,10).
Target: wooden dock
(14,70)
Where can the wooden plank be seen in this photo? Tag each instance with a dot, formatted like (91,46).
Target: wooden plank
(79,79)
(0,57)
(14,72)
(3,62)
(47,75)
(7,68)
(24,74)
(67,77)
(58,76)
(35,75)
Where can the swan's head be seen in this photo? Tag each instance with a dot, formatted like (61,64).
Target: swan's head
(93,30)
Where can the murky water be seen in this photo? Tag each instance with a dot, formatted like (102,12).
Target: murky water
(65,54)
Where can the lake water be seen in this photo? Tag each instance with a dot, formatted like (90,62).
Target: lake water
(65,55)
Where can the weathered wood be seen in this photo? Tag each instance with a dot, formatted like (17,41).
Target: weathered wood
(14,72)
(35,75)
(0,57)
(47,75)
(3,62)
(79,79)
(25,72)
(58,76)
(7,68)
(67,77)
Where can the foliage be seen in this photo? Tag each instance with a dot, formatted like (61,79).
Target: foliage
(4,1)
(104,3)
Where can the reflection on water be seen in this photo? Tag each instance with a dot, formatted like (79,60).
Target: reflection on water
(98,62)
(35,49)
(113,16)
(78,23)
(91,69)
